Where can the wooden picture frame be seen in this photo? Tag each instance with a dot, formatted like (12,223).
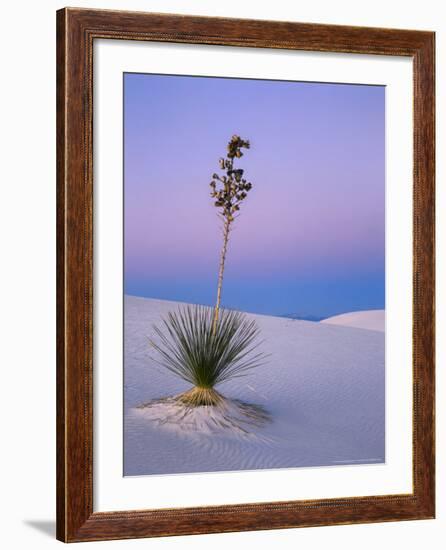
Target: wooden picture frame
(76,31)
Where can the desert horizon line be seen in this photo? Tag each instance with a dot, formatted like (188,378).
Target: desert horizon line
(297,315)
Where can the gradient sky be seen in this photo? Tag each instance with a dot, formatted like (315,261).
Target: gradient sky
(310,237)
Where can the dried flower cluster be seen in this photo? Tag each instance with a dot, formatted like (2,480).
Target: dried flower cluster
(230,189)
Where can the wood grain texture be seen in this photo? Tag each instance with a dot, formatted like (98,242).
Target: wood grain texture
(76,31)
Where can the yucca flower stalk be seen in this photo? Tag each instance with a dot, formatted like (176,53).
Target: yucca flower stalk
(229,190)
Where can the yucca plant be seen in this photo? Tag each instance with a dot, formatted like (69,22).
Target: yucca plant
(204,354)
(206,346)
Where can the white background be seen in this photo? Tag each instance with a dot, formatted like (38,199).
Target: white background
(27,495)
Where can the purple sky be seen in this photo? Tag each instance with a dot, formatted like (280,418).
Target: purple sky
(310,238)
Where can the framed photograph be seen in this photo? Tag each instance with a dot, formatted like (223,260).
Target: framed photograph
(245,275)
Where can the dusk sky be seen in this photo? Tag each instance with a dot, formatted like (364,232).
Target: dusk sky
(310,237)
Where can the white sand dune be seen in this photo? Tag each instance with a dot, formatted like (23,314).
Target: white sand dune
(371,320)
(323,387)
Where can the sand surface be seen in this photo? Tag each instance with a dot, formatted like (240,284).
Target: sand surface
(371,320)
(322,387)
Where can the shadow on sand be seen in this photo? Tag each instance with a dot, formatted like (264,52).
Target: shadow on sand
(227,417)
